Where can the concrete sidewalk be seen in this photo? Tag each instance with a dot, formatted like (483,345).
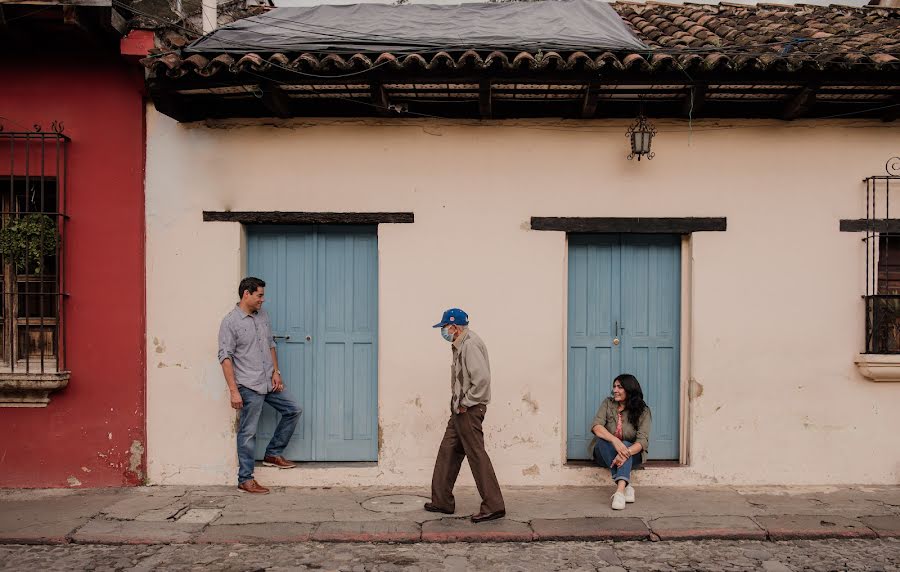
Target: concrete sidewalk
(162,515)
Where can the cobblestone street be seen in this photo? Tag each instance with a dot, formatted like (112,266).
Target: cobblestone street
(795,556)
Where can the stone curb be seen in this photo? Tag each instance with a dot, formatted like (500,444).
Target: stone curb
(256,533)
(102,531)
(813,527)
(596,528)
(723,527)
(376,531)
(461,530)
(450,530)
(885,526)
(36,540)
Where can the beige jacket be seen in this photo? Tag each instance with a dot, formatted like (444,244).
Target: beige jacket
(470,372)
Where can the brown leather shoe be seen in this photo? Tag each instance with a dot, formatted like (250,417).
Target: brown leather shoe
(252,486)
(431,507)
(484,517)
(277,461)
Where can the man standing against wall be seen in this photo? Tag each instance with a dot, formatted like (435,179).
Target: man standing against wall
(470,382)
(250,364)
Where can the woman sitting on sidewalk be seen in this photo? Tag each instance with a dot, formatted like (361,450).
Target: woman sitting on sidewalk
(622,429)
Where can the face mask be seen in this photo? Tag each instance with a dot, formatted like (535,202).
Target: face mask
(446,334)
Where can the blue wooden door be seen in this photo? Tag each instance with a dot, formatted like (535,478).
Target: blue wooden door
(624,314)
(321,294)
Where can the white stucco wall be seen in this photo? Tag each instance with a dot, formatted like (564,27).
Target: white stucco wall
(775,303)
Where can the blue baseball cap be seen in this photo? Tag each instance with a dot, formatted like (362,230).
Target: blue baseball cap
(453,317)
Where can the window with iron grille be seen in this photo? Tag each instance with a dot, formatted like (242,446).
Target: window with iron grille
(32,231)
(882,242)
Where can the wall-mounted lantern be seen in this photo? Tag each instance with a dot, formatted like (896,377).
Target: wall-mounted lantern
(641,135)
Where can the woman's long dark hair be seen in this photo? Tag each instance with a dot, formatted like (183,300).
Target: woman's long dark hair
(634,398)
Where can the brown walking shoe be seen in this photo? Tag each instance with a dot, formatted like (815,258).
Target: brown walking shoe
(252,486)
(486,516)
(277,461)
(431,507)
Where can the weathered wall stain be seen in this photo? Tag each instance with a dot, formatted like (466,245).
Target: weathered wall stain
(532,471)
(530,402)
(696,389)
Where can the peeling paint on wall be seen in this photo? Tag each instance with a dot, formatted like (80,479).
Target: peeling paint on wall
(73,482)
(532,471)
(135,461)
(696,389)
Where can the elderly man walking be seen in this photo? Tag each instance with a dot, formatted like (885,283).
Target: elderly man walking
(470,382)
(250,365)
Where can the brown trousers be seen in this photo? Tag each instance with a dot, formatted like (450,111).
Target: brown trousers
(464,438)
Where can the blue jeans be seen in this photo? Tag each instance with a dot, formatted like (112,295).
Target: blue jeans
(605,454)
(290,412)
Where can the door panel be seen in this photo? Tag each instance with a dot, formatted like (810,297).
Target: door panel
(651,313)
(283,261)
(625,288)
(348,282)
(322,285)
(593,302)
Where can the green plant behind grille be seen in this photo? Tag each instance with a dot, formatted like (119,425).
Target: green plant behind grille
(28,240)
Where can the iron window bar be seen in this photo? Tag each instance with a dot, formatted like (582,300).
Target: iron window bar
(882,291)
(33,206)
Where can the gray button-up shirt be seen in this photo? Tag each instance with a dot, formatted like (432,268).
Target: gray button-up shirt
(246,339)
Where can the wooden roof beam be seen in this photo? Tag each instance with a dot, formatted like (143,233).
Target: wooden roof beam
(380,98)
(800,103)
(114,21)
(275,99)
(892,113)
(485,97)
(589,104)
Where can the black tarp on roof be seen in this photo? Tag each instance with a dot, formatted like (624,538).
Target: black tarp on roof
(559,25)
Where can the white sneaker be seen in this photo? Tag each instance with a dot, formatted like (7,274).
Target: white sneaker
(629,494)
(618,501)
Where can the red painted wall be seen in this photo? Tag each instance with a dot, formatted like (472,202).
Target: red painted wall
(92,432)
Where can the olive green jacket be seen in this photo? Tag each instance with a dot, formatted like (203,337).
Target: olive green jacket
(607,416)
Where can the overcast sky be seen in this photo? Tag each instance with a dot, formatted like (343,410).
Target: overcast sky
(315,2)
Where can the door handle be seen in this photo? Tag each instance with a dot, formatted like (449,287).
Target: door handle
(615,341)
(308,338)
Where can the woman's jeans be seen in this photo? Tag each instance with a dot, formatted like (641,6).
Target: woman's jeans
(605,454)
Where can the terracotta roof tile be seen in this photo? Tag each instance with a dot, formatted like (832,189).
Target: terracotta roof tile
(690,36)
